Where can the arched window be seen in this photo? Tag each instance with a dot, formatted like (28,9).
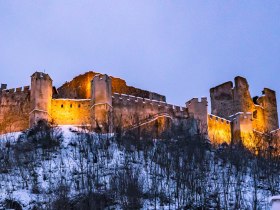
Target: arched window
(61,106)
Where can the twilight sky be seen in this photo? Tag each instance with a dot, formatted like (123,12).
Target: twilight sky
(178,48)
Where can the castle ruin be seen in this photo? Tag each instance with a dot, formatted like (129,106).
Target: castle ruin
(102,101)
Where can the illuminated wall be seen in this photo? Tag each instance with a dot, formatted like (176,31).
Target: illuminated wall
(14,109)
(70,111)
(219,130)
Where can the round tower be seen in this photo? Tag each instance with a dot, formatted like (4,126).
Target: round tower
(40,97)
(101,102)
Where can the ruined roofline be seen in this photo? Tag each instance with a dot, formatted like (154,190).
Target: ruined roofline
(265,90)
(231,83)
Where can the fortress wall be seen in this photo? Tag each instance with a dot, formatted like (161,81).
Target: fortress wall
(14,109)
(219,130)
(130,110)
(258,119)
(80,88)
(70,111)
(242,129)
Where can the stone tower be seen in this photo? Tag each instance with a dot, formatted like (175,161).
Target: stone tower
(269,104)
(198,110)
(40,97)
(101,102)
(228,99)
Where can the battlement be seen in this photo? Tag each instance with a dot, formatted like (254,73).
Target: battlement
(24,89)
(202,100)
(241,115)
(219,129)
(129,99)
(218,119)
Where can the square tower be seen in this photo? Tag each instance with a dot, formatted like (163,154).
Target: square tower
(101,102)
(40,98)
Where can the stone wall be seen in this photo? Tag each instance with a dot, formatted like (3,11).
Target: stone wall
(131,110)
(14,109)
(242,129)
(219,130)
(80,88)
(70,111)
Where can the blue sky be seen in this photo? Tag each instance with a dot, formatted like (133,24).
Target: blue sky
(178,48)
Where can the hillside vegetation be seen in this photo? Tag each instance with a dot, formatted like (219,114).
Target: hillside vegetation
(52,167)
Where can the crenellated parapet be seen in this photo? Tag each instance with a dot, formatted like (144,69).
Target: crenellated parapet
(219,130)
(14,108)
(128,105)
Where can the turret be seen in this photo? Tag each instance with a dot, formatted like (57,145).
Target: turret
(198,110)
(101,102)
(40,97)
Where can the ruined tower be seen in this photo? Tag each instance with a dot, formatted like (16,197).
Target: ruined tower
(40,97)
(269,104)
(227,100)
(101,102)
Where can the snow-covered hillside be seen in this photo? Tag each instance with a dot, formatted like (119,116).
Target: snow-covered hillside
(84,170)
